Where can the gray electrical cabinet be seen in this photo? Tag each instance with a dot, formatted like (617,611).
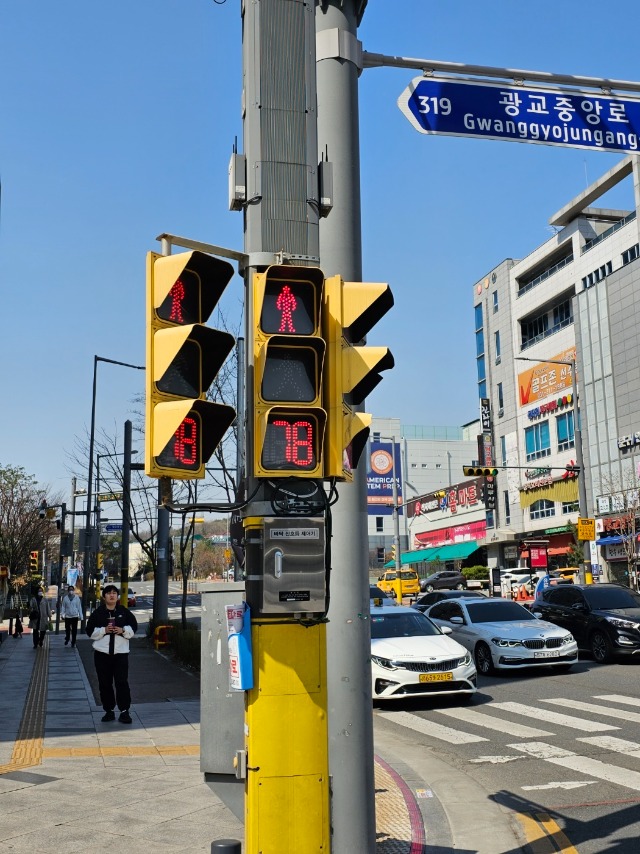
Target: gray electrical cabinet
(221,709)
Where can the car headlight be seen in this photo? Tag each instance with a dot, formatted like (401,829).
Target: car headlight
(383,662)
(568,639)
(619,623)
(506,642)
(463,662)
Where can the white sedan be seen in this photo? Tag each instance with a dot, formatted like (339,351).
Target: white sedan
(411,656)
(502,634)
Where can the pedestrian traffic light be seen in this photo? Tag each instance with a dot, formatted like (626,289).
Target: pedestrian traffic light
(479,471)
(184,356)
(33,561)
(350,311)
(288,359)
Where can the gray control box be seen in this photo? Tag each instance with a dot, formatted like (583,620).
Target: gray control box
(294,565)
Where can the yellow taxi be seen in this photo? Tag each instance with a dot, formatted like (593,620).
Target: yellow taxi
(408,578)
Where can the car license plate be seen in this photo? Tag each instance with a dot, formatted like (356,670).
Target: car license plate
(544,654)
(436,677)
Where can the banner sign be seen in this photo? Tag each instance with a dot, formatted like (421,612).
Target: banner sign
(543,115)
(380,478)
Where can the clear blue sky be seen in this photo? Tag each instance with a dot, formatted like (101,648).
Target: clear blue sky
(116,124)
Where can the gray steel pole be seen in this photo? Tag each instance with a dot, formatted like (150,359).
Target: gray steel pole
(348,630)
(161,577)
(585,576)
(126,515)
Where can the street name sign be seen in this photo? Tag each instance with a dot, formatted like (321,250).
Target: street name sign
(586,529)
(113,527)
(542,115)
(110,496)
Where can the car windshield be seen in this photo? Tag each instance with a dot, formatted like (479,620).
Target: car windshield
(500,611)
(607,598)
(401,626)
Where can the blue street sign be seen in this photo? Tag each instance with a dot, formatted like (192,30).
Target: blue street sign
(545,115)
(113,527)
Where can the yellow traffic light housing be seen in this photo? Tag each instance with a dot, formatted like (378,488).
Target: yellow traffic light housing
(33,561)
(183,428)
(288,359)
(479,471)
(350,311)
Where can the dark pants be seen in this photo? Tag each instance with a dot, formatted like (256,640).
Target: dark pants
(70,627)
(113,669)
(38,636)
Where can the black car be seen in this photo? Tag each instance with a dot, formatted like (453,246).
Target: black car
(428,599)
(603,618)
(376,593)
(447,579)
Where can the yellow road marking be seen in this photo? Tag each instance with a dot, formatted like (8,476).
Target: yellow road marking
(544,835)
(130,750)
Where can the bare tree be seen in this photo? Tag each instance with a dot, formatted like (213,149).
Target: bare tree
(622,497)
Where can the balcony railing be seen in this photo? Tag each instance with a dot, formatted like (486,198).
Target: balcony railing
(617,225)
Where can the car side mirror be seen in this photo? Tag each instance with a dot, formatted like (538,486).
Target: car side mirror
(457,621)
(446,630)
(578,606)
(537,615)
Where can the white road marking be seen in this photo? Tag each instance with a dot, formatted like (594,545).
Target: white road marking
(617,745)
(428,727)
(570,784)
(479,719)
(495,760)
(619,698)
(606,711)
(582,764)
(553,717)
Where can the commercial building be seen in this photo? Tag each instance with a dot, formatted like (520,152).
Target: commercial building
(574,302)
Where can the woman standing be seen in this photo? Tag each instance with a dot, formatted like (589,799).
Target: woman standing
(39,616)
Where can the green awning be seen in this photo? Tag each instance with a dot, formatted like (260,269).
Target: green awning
(456,551)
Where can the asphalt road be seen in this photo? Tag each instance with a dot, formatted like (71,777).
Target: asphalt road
(538,742)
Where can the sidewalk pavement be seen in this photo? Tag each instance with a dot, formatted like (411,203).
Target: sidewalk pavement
(70,783)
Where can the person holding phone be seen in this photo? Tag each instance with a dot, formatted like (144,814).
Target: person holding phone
(110,627)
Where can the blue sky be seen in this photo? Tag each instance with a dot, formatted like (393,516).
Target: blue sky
(116,124)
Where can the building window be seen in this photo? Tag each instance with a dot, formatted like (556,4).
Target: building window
(478,315)
(507,507)
(564,428)
(597,275)
(375,437)
(491,520)
(500,397)
(503,450)
(542,508)
(570,507)
(482,374)
(562,314)
(380,556)
(495,300)
(496,343)
(482,389)
(379,524)
(631,254)
(479,343)
(537,441)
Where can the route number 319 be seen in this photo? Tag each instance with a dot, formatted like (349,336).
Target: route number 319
(437,106)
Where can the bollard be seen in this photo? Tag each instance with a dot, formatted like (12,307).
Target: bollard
(225,846)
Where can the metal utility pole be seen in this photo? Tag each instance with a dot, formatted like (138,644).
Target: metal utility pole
(286,708)
(126,515)
(348,631)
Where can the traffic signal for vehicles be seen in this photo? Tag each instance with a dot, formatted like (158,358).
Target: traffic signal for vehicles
(478,471)
(350,311)
(33,561)
(288,359)
(183,428)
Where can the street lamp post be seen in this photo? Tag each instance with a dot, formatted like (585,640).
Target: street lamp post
(585,576)
(396,515)
(89,544)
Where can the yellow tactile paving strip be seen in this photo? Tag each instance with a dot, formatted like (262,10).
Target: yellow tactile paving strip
(131,750)
(27,750)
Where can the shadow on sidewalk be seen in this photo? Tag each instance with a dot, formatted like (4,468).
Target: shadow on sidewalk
(153,677)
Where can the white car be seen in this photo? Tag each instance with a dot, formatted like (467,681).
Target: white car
(502,634)
(412,657)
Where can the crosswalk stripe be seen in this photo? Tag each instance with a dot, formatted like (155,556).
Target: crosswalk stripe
(607,711)
(430,728)
(616,745)
(478,719)
(554,717)
(583,764)
(619,698)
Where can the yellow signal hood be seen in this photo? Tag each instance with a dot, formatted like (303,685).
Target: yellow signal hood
(361,366)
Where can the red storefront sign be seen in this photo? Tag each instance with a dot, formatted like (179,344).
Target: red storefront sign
(448,536)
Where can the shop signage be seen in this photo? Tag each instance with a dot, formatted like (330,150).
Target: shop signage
(552,406)
(485,414)
(465,495)
(537,484)
(627,442)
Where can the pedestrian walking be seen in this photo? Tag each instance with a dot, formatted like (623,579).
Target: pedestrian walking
(39,616)
(71,612)
(110,627)
(18,629)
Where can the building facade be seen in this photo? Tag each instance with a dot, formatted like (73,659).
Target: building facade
(558,362)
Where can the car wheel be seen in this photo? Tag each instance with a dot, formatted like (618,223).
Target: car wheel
(460,586)
(428,588)
(600,647)
(484,662)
